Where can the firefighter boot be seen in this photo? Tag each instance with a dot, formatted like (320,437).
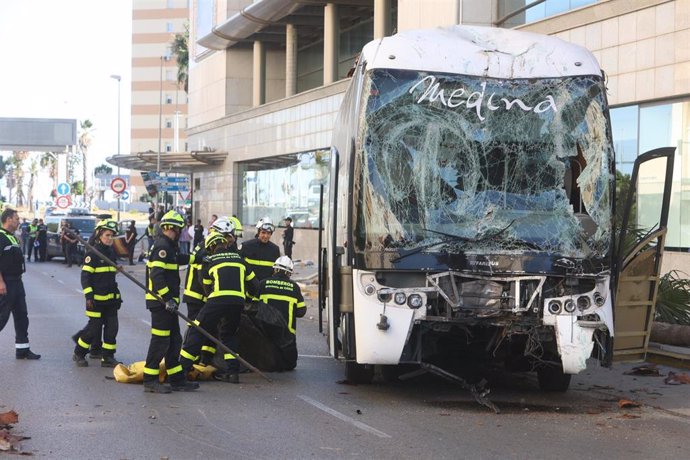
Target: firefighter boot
(109,361)
(26,353)
(81,362)
(154,386)
(229,377)
(184,385)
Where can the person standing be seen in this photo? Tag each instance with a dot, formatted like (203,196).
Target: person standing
(24,228)
(288,235)
(102,298)
(69,243)
(260,253)
(12,294)
(33,232)
(185,238)
(42,239)
(131,240)
(283,294)
(163,279)
(225,277)
(151,233)
(198,233)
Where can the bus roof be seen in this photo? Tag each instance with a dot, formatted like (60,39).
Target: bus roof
(482,51)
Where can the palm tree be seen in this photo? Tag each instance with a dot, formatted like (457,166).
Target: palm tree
(180,49)
(86,128)
(33,172)
(17,162)
(49,160)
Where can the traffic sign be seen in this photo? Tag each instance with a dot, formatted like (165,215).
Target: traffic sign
(118,185)
(124,195)
(173,179)
(63,188)
(63,201)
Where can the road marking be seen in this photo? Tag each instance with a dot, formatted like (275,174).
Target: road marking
(343,417)
(314,356)
(145,322)
(60,281)
(80,291)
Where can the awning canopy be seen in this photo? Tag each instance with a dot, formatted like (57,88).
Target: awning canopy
(181,162)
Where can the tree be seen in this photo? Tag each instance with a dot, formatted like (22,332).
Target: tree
(33,172)
(49,160)
(17,162)
(3,167)
(103,169)
(180,48)
(86,128)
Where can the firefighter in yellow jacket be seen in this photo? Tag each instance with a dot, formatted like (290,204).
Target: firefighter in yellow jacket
(228,279)
(102,298)
(163,279)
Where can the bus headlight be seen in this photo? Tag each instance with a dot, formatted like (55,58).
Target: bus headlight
(569,306)
(583,303)
(400,298)
(369,289)
(415,301)
(554,307)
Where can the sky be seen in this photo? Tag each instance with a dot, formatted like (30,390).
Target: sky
(57,60)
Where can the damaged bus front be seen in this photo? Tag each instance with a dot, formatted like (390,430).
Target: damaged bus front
(471,205)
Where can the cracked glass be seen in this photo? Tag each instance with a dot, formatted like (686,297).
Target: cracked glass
(453,163)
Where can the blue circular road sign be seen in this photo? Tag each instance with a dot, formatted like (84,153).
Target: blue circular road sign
(63,188)
(124,195)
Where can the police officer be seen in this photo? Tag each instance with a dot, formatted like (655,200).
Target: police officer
(42,239)
(12,295)
(260,253)
(225,276)
(102,298)
(33,233)
(194,295)
(283,294)
(163,278)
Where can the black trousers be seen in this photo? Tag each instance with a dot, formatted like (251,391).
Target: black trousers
(208,349)
(210,317)
(32,249)
(165,344)
(102,318)
(43,249)
(14,302)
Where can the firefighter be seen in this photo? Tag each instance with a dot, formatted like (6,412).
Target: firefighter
(194,295)
(102,298)
(283,294)
(225,277)
(163,278)
(260,253)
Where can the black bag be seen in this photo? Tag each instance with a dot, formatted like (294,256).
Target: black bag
(265,340)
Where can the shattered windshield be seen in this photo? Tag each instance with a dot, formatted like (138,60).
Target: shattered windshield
(454,163)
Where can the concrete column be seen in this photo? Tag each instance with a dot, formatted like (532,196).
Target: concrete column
(290,60)
(259,75)
(331,34)
(382,18)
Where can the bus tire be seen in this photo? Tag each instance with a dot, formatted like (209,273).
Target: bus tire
(553,379)
(358,373)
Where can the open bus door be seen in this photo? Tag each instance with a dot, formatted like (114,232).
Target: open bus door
(638,262)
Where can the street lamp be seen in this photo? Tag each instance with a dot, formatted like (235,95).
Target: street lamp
(118,78)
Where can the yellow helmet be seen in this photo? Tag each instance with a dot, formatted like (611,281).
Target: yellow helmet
(107,224)
(237,224)
(173,219)
(213,239)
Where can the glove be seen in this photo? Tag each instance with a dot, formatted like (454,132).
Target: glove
(171,306)
(89,304)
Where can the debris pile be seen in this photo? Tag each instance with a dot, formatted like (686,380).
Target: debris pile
(9,441)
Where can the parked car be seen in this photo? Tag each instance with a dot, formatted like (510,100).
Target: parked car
(84,223)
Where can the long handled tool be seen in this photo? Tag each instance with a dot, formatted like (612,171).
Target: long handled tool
(205,333)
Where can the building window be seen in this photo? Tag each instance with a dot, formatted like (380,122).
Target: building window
(168,123)
(168,99)
(168,26)
(640,128)
(512,13)
(285,185)
(168,147)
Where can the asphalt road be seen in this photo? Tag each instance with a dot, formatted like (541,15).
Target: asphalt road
(72,412)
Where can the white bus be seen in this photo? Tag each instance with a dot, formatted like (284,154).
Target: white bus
(470,213)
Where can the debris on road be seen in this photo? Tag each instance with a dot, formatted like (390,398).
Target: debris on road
(627,404)
(8,441)
(649,370)
(676,379)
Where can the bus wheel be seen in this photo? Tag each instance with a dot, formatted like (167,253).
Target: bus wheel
(552,378)
(358,373)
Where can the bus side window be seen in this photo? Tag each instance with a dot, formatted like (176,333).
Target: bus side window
(572,172)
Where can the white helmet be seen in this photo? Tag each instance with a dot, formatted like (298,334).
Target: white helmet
(284,263)
(265,223)
(224,226)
